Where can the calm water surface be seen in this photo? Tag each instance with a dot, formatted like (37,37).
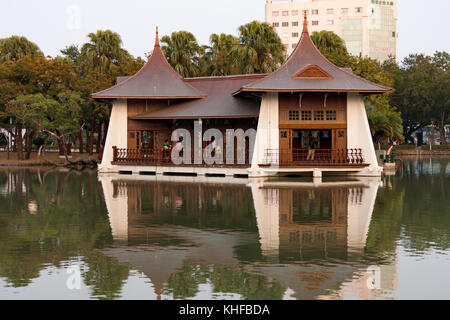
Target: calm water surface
(71,235)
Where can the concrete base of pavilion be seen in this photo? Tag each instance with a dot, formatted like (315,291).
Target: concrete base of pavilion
(254,172)
(316,172)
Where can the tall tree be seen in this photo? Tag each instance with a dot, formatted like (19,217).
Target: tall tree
(15,47)
(60,118)
(329,43)
(221,60)
(101,60)
(182,52)
(27,112)
(103,52)
(422,91)
(28,76)
(72,52)
(385,123)
(261,50)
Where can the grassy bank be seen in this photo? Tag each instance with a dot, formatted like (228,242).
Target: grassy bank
(50,156)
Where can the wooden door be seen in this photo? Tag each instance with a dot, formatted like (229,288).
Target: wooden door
(285,151)
(134,140)
(339,144)
(133,145)
(341,139)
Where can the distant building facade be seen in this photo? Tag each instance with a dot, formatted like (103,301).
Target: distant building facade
(368,27)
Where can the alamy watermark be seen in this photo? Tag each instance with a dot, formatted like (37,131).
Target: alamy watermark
(73,17)
(74,280)
(211,147)
(374,279)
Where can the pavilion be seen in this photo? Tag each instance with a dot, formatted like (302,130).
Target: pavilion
(309,117)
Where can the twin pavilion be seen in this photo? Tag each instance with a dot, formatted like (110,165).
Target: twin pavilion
(309,118)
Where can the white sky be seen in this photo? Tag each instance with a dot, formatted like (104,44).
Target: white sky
(423,26)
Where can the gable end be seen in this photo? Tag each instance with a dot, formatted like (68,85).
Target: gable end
(312,72)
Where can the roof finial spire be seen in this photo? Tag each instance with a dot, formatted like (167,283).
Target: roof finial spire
(305,23)
(157,37)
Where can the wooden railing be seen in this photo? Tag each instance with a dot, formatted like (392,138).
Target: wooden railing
(123,156)
(140,156)
(313,157)
(295,157)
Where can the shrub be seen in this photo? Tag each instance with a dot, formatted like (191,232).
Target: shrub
(405,147)
(436,147)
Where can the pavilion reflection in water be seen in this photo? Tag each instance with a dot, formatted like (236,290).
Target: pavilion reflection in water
(173,222)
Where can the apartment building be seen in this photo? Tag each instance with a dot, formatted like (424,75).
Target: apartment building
(368,27)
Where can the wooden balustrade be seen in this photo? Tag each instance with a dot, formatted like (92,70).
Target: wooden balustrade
(140,156)
(122,156)
(298,157)
(295,157)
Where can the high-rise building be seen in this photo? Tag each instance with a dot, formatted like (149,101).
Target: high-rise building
(368,27)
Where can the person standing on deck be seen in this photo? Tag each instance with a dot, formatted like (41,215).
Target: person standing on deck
(166,149)
(311,151)
(179,146)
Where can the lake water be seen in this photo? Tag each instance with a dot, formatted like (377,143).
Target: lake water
(72,235)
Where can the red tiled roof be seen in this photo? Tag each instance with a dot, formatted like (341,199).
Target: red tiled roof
(219,102)
(156,80)
(307,70)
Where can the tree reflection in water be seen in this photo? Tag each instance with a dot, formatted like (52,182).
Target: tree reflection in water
(246,239)
(70,220)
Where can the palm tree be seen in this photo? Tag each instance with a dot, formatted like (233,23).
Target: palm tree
(385,122)
(15,47)
(222,61)
(329,43)
(183,53)
(103,55)
(103,52)
(261,50)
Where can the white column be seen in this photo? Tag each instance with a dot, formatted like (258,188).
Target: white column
(117,133)
(267,135)
(360,214)
(267,210)
(359,135)
(117,208)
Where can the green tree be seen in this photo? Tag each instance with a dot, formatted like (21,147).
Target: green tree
(30,76)
(103,52)
(62,119)
(72,52)
(385,123)
(221,60)
(59,118)
(422,91)
(15,47)
(260,50)
(182,52)
(329,43)
(101,60)
(27,112)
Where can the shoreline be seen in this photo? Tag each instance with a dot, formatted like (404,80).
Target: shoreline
(33,162)
(420,152)
(54,157)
